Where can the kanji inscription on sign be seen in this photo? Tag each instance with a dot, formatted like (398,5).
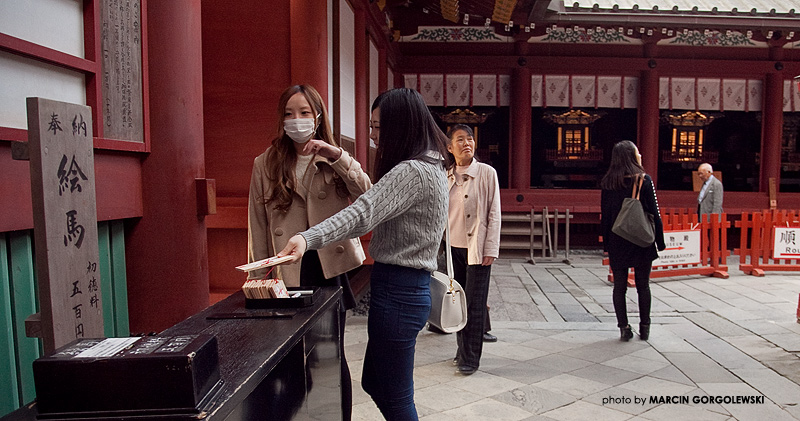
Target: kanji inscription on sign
(65,221)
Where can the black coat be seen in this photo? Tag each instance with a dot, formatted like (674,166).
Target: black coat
(621,252)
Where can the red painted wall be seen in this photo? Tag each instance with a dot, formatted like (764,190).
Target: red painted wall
(245,69)
(118,188)
(166,249)
(246,66)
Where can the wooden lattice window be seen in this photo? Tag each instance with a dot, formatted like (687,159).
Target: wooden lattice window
(573,142)
(688,131)
(687,143)
(573,136)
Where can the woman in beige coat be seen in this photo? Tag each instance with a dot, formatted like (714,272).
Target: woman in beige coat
(298,182)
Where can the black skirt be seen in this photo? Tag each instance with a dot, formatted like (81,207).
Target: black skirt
(311,275)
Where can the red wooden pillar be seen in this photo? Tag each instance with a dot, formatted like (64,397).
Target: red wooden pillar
(647,141)
(166,253)
(520,148)
(309,44)
(361,53)
(771,131)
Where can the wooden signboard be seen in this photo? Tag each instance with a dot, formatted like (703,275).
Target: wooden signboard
(122,70)
(65,221)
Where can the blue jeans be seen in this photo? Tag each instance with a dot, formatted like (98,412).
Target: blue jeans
(400,301)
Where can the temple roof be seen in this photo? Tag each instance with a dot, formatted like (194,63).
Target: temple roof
(756,15)
(718,14)
(742,8)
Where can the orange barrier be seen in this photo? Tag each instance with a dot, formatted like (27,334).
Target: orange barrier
(756,245)
(713,245)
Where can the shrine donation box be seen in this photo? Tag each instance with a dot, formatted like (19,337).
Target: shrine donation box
(128,376)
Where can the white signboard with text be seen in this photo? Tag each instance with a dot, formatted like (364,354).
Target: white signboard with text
(785,245)
(683,248)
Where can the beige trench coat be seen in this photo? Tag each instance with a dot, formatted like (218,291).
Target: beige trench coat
(315,199)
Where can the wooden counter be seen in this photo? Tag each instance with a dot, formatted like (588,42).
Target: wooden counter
(284,368)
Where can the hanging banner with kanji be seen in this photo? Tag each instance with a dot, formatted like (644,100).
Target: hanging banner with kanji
(65,221)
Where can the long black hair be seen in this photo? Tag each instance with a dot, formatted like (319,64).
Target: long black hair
(624,163)
(408,131)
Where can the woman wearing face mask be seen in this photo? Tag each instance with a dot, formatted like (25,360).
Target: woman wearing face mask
(299,181)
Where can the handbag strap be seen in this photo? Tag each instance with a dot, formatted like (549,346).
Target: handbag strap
(448,253)
(637,186)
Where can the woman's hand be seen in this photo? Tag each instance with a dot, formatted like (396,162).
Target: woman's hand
(487,261)
(323,149)
(295,248)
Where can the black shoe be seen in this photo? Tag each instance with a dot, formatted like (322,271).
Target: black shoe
(435,329)
(466,370)
(488,337)
(455,361)
(644,332)
(625,333)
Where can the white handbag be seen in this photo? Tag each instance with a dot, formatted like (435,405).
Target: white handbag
(448,300)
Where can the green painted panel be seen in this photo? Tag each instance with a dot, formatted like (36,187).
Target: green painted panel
(9,392)
(18,300)
(106,281)
(22,277)
(118,271)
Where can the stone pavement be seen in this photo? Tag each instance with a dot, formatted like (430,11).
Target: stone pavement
(559,356)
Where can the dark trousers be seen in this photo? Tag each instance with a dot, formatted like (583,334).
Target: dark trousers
(311,274)
(475,281)
(400,302)
(642,277)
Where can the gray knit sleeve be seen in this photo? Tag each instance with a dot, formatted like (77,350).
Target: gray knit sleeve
(395,193)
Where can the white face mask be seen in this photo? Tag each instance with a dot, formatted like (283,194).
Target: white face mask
(299,129)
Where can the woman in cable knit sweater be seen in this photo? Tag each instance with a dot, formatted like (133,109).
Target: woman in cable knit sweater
(406,210)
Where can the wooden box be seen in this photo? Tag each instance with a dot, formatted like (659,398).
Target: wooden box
(304,300)
(149,375)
